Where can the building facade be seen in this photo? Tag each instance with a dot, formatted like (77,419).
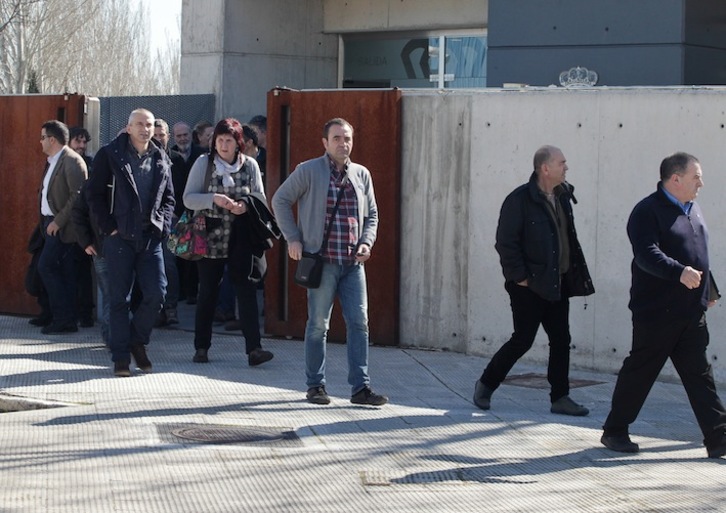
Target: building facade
(240,49)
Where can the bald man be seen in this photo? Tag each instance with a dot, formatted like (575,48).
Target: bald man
(131,199)
(543,267)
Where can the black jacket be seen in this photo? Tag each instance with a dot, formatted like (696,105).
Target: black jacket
(112,197)
(528,244)
(252,234)
(664,241)
(86,227)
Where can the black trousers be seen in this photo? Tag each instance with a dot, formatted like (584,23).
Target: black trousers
(684,341)
(85,286)
(210,272)
(529,311)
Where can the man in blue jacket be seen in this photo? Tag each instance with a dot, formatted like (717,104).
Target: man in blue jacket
(131,198)
(543,267)
(670,292)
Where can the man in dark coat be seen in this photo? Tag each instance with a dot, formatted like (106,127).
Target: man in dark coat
(131,198)
(543,267)
(671,289)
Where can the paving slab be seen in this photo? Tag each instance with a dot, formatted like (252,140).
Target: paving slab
(224,437)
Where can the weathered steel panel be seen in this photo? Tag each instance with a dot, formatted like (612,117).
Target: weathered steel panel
(295,123)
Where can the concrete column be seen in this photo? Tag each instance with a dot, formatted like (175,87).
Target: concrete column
(239,50)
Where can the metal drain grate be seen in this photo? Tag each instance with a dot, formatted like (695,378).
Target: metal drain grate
(534,380)
(196,434)
(455,477)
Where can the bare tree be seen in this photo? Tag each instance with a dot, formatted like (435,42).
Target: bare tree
(97,47)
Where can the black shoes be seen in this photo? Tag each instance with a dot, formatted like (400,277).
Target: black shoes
(366,396)
(40,321)
(54,329)
(318,395)
(232,325)
(142,361)
(718,450)
(201,356)
(171,316)
(259,356)
(220,316)
(566,406)
(86,321)
(121,369)
(620,443)
(482,395)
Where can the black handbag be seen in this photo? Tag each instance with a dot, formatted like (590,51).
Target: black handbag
(309,269)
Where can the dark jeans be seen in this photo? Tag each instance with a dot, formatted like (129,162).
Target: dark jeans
(58,268)
(126,261)
(684,341)
(529,311)
(211,271)
(85,286)
(172,278)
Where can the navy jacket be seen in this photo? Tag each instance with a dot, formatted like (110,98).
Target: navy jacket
(112,197)
(528,244)
(664,241)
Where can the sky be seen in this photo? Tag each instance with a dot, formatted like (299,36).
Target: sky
(166,17)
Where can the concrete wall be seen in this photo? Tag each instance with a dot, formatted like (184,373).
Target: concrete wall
(240,50)
(400,15)
(463,152)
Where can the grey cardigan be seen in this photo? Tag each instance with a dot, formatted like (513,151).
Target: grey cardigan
(308,185)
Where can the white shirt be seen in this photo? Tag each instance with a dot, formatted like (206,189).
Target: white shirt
(45,209)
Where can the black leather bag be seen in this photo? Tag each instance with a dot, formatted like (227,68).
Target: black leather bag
(309,270)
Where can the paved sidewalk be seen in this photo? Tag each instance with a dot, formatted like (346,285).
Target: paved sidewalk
(132,445)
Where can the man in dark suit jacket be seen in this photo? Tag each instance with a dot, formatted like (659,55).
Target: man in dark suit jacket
(179,173)
(78,142)
(65,173)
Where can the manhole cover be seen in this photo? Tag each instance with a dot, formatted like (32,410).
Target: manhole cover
(224,434)
(534,380)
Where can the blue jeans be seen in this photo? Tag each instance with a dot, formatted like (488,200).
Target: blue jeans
(99,264)
(349,284)
(58,268)
(126,261)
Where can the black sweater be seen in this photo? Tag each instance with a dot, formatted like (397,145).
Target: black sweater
(665,240)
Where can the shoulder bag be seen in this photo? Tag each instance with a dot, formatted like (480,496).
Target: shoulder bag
(188,237)
(309,269)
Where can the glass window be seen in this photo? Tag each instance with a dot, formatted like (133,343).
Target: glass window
(415,62)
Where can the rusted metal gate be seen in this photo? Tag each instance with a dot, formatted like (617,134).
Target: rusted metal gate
(21,173)
(295,122)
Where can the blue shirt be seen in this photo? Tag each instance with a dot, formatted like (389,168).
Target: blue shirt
(686,207)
